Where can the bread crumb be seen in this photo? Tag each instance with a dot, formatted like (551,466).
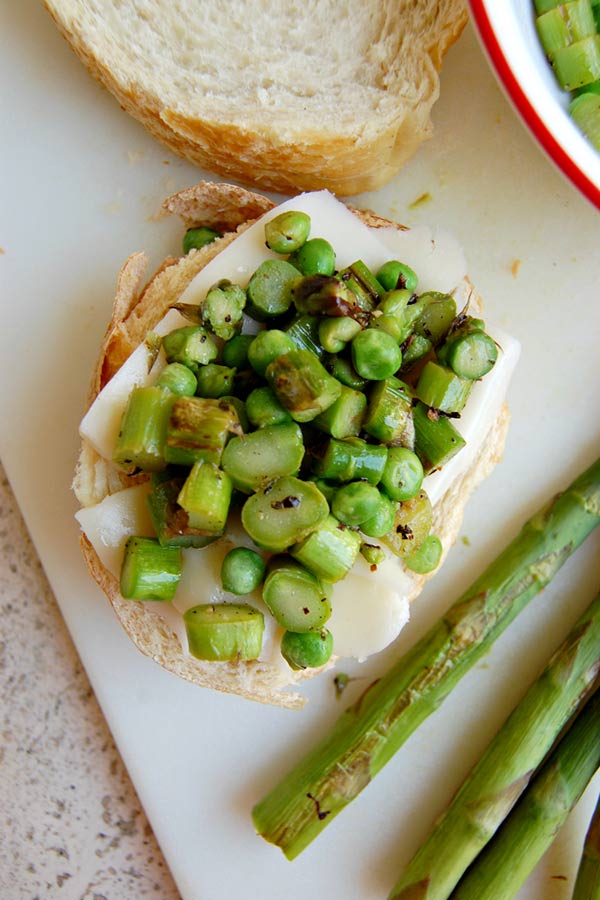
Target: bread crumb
(2,251)
(166,162)
(515,266)
(424,198)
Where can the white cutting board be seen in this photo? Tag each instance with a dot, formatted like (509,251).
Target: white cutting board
(81,183)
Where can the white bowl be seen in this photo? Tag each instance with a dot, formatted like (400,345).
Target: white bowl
(507,31)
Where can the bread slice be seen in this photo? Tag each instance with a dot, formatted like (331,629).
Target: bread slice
(137,309)
(286,96)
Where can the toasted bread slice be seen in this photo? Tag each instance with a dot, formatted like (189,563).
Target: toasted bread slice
(286,96)
(137,309)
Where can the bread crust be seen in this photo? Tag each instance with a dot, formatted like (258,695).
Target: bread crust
(137,309)
(300,156)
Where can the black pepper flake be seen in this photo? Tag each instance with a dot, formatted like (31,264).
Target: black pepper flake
(286,503)
(406,532)
(321,813)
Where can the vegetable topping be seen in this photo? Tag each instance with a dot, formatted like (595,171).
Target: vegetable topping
(318,426)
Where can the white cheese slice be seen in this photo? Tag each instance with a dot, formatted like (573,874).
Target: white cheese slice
(119,516)
(369,609)
(364,619)
(100,425)
(436,256)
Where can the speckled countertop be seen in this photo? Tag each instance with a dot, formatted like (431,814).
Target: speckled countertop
(72,825)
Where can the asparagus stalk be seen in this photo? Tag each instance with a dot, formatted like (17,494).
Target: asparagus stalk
(587,884)
(369,733)
(494,785)
(511,856)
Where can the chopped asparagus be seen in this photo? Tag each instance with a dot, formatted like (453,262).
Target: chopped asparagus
(330,551)
(192,346)
(170,520)
(578,64)
(270,289)
(224,631)
(302,385)
(585,110)
(411,526)
(222,310)
(255,459)
(149,571)
(205,496)
(440,388)
(377,725)
(198,430)
(283,513)
(389,413)
(345,416)
(297,599)
(436,438)
(352,460)
(142,436)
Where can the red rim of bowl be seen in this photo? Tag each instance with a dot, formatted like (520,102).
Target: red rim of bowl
(525,108)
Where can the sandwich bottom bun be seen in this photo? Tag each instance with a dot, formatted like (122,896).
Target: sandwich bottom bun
(138,307)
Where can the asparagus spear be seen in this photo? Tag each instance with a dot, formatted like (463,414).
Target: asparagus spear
(503,772)
(504,865)
(369,733)
(587,885)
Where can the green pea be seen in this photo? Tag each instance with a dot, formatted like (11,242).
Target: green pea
(394,274)
(403,474)
(178,379)
(375,354)
(235,351)
(214,381)
(343,370)
(309,650)
(425,558)
(315,257)
(242,571)
(287,231)
(390,324)
(336,331)
(196,238)
(383,519)
(356,502)
(263,408)
(266,347)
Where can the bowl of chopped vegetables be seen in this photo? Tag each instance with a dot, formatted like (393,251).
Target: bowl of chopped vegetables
(546,55)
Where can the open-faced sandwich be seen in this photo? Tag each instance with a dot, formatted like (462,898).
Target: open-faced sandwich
(283,429)
(286,96)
